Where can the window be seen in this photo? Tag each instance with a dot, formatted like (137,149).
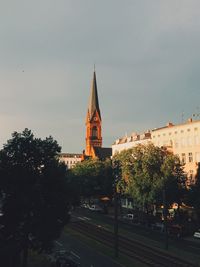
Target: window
(190,157)
(196,129)
(196,140)
(170,133)
(175,132)
(175,143)
(94,132)
(183,142)
(183,158)
(164,134)
(189,141)
(188,130)
(197,156)
(182,131)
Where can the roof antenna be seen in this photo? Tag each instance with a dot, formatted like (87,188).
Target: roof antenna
(94,67)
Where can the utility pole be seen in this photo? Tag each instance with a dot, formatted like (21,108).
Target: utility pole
(165,218)
(116,239)
(116,176)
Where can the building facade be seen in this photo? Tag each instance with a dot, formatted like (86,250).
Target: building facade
(182,139)
(93,124)
(70,159)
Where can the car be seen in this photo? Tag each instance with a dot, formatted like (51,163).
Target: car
(95,208)
(84,205)
(128,216)
(197,234)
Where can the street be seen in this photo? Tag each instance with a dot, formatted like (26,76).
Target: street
(88,256)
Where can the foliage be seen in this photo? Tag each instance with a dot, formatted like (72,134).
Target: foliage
(147,170)
(193,197)
(33,192)
(93,177)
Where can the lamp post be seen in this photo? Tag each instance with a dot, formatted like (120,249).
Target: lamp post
(165,218)
(116,176)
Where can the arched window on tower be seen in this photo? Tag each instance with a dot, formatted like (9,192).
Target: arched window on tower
(94,132)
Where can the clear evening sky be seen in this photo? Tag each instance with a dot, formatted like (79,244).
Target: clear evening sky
(147,56)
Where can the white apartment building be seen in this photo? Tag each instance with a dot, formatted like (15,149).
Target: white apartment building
(182,139)
(70,159)
(130,141)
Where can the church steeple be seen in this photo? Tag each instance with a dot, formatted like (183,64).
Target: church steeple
(94,101)
(93,120)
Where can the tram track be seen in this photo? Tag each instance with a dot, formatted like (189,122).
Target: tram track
(133,249)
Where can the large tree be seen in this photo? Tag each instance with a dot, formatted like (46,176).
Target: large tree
(193,196)
(148,170)
(93,178)
(34,195)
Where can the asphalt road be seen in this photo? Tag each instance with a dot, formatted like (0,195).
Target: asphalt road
(187,244)
(87,256)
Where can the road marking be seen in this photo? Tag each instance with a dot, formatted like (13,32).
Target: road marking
(59,243)
(87,218)
(81,218)
(73,253)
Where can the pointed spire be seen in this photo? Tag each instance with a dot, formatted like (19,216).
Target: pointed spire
(94,102)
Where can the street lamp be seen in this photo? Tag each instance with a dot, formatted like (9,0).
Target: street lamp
(116,176)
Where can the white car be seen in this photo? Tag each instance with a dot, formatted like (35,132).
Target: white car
(197,234)
(95,208)
(128,216)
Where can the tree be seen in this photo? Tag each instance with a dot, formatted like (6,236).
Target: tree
(93,178)
(33,193)
(148,170)
(193,196)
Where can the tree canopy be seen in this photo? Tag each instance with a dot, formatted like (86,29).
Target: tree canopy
(33,191)
(147,170)
(93,178)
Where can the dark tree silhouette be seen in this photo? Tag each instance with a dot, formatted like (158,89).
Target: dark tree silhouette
(34,196)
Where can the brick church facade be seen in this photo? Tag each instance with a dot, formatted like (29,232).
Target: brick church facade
(93,124)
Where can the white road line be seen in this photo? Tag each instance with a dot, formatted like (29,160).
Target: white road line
(73,253)
(87,218)
(59,243)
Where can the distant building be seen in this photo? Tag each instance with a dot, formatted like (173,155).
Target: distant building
(182,139)
(127,142)
(93,123)
(70,159)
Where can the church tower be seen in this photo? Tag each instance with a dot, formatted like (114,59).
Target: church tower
(93,121)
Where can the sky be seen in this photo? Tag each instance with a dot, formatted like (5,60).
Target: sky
(146,56)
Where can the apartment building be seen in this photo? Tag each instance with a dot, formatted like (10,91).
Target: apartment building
(182,139)
(70,159)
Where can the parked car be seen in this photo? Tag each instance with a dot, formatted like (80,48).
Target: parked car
(197,233)
(130,217)
(95,208)
(84,205)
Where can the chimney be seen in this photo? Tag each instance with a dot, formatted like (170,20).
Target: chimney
(170,124)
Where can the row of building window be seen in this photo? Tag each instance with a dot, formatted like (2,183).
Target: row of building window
(190,157)
(175,132)
(182,142)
